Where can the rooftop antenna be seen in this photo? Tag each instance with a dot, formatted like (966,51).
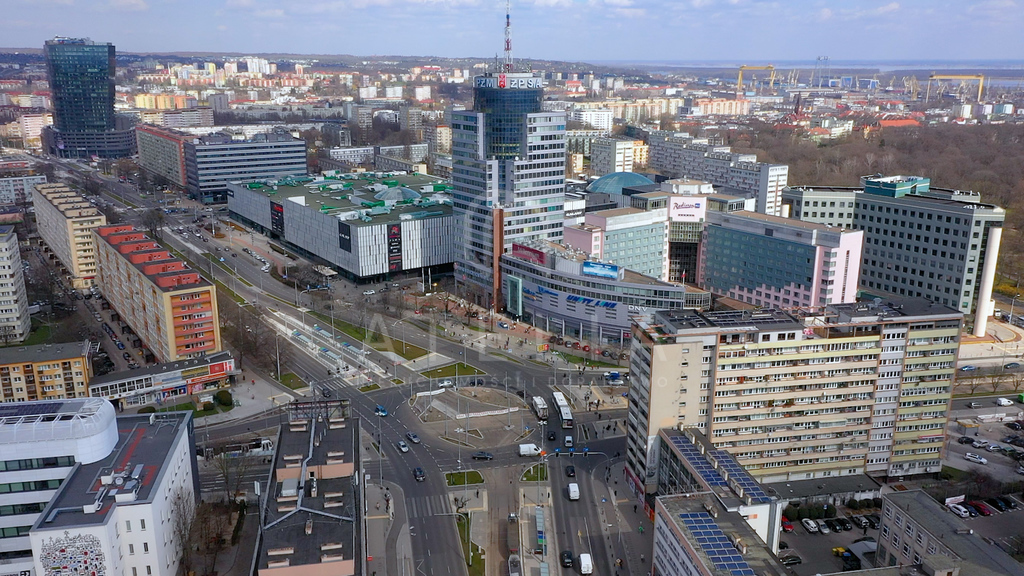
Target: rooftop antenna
(508,38)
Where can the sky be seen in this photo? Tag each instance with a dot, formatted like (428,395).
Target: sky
(742,31)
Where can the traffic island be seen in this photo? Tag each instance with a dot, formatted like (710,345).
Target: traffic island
(464,478)
(535,473)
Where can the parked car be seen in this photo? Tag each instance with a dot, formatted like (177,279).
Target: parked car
(787,526)
(1013,426)
(810,525)
(859,521)
(971,510)
(996,504)
(845,523)
(874,520)
(369,292)
(981,507)
(1008,502)
(979,443)
(964,440)
(994,447)
(823,527)
(972,457)
(126,356)
(791,559)
(959,510)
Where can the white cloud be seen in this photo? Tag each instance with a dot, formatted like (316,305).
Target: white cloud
(631,12)
(825,14)
(270,13)
(890,7)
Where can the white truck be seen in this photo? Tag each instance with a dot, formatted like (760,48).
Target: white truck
(574,491)
(529,450)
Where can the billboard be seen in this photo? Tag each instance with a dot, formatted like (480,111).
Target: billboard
(514,295)
(344,236)
(600,270)
(529,254)
(394,247)
(277,218)
(687,210)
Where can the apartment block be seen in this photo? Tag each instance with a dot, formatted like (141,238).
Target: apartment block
(438,139)
(16,185)
(815,392)
(631,238)
(15,323)
(44,372)
(65,220)
(609,155)
(921,241)
(778,262)
(598,119)
(680,155)
(162,153)
(171,307)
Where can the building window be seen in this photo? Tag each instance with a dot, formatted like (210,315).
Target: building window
(127,525)
(142,525)
(131,549)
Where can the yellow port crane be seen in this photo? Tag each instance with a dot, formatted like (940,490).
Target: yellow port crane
(739,79)
(962,77)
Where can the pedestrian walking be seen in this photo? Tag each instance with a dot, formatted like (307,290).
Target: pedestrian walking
(634,508)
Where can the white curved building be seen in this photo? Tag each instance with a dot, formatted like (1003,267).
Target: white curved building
(40,444)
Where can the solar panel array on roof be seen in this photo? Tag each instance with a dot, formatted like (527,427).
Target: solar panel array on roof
(715,544)
(698,462)
(29,409)
(751,487)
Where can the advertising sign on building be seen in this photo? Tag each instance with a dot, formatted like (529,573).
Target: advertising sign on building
(394,247)
(529,254)
(277,218)
(344,236)
(687,209)
(601,270)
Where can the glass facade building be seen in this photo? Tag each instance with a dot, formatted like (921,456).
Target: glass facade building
(81,75)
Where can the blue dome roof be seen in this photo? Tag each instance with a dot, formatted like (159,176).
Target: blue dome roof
(614,183)
(397,194)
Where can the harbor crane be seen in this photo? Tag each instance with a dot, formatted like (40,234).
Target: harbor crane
(739,78)
(962,77)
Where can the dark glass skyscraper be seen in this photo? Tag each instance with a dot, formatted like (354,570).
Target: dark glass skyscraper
(81,75)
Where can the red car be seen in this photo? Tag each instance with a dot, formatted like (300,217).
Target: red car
(983,509)
(787,526)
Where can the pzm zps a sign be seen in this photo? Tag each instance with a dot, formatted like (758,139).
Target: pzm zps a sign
(509,81)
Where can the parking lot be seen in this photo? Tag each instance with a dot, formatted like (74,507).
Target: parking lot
(1000,527)
(816,549)
(1001,461)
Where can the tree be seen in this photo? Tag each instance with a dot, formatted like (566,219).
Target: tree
(232,471)
(209,526)
(154,219)
(1017,380)
(995,381)
(183,516)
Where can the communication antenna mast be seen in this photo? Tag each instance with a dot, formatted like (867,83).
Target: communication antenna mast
(508,38)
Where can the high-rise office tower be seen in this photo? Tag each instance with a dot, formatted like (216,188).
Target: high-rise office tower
(81,75)
(508,172)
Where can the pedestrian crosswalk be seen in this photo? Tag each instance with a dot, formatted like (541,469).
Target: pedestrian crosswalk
(423,506)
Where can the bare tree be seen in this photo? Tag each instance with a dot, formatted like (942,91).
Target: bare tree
(1017,380)
(232,470)
(183,516)
(153,219)
(208,532)
(995,381)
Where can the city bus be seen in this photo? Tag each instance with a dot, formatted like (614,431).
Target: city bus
(562,407)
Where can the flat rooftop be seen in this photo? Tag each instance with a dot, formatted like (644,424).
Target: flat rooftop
(309,522)
(714,538)
(158,369)
(979,557)
(362,198)
(716,469)
(163,279)
(780,221)
(43,352)
(128,474)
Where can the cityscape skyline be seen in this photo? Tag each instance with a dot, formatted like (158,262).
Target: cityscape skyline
(870,30)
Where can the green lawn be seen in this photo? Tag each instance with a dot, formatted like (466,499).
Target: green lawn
(472,552)
(573,359)
(40,335)
(376,340)
(292,381)
(464,478)
(370,388)
(397,381)
(459,368)
(184,406)
(535,473)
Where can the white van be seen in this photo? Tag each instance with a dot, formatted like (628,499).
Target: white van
(574,491)
(586,564)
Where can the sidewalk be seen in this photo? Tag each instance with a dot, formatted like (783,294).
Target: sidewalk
(388,542)
(629,517)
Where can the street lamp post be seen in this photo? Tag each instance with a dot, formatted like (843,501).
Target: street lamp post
(1012,302)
